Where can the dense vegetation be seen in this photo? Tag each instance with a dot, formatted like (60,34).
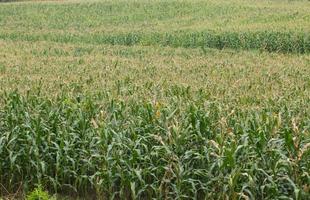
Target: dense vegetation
(266,25)
(126,99)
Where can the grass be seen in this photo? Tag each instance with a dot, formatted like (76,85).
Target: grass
(138,106)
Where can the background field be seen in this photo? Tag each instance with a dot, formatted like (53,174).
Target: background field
(156,99)
(269,25)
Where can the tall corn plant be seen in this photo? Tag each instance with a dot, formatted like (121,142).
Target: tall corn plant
(184,148)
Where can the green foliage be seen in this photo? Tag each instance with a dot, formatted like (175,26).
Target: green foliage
(38,194)
(273,26)
(129,149)
(286,42)
(108,106)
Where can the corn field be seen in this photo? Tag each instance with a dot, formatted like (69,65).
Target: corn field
(163,100)
(182,149)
